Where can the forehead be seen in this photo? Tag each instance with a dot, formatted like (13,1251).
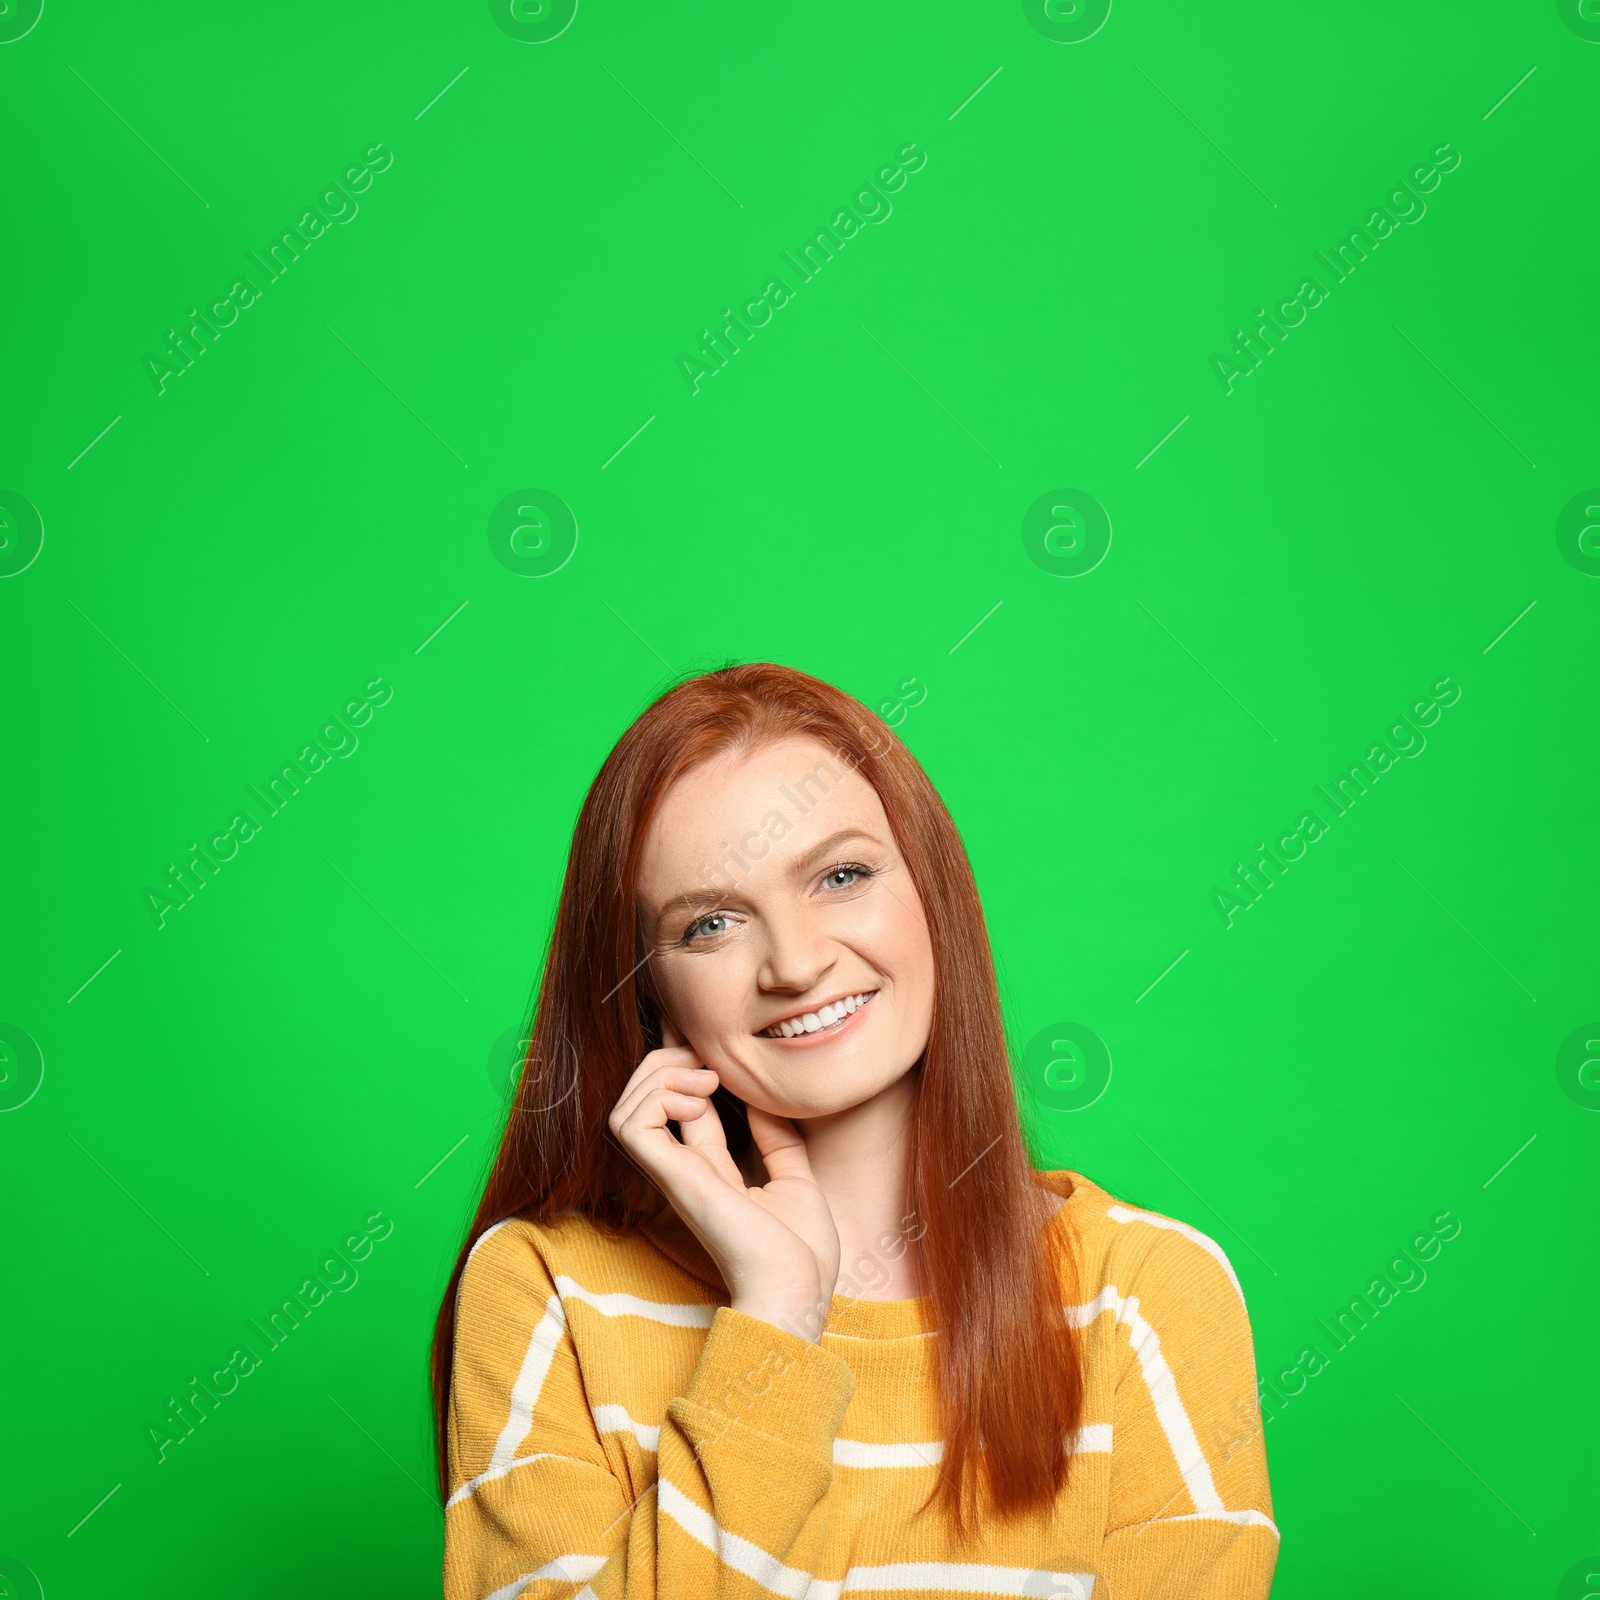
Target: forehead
(793,794)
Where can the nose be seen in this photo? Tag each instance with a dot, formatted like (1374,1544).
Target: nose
(797,954)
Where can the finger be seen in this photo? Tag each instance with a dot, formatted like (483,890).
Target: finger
(697,1081)
(782,1149)
(670,1037)
(687,1110)
(665,1153)
(679,1080)
(707,1137)
(659,1058)
(646,1132)
(652,1146)
(707,1133)
(657,1062)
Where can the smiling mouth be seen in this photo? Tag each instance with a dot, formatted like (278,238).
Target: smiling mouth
(821,1020)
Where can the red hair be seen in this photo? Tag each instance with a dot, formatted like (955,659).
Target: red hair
(1009,1371)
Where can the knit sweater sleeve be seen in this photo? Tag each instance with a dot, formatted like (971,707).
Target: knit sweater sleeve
(1191,1509)
(744,1455)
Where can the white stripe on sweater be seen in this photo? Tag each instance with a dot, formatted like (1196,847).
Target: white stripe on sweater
(1091,1440)
(1246,1519)
(740,1554)
(955,1577)
(857,1453)
(524,1397)
(541,1352)
(472,1485)
(526,1390)
(564,1569)
(946,1577)
(617,1419)
(1186,1451)
(630,1305)
(484,1237)
(1194,1235)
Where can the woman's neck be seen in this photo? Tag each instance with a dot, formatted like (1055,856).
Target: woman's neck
(861,1161)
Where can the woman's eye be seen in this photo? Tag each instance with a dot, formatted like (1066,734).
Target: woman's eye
(845,877)
(709,927)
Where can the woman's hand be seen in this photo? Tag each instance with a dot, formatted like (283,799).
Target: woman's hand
(776,1247)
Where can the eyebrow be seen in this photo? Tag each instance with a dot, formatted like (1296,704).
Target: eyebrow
(697,899)
(832,843)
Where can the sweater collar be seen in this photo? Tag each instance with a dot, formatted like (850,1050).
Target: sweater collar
(671,1235)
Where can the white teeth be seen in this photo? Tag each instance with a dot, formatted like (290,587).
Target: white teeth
(827,1016)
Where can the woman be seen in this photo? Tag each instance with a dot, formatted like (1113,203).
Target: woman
(768,1041)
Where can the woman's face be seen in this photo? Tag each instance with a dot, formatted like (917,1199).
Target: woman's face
(771,889)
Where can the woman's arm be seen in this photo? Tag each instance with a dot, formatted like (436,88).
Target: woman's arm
(743,1455)
(1191,1510)
(776,1246)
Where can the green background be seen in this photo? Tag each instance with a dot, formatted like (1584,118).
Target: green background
(238,1090)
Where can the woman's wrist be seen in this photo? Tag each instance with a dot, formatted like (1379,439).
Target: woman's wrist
(804,1315)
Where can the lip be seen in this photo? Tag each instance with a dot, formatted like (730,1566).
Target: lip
(807,1041)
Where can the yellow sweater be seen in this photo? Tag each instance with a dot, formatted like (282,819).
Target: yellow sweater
(617,1429)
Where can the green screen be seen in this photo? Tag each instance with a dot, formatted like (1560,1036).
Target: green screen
(1178,421)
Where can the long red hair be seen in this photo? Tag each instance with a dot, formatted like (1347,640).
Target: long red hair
(1009,1371)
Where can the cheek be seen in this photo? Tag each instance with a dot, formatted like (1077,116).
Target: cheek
(899,943)
(893,939)
(706,995)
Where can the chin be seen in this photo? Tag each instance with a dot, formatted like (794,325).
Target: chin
(807,1108)
(817,1094)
